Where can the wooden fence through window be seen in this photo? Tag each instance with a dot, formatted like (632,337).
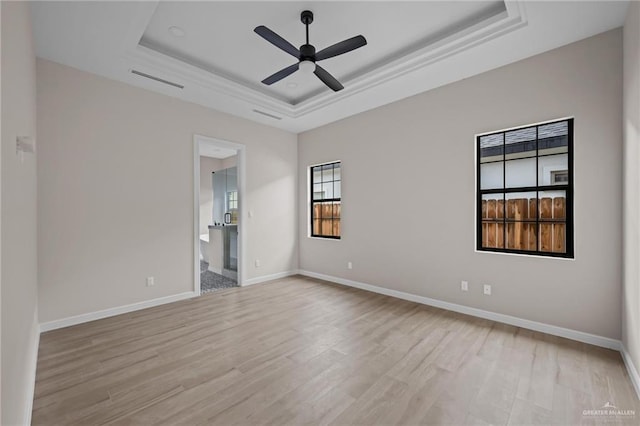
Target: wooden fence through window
(326,219)
(521,224)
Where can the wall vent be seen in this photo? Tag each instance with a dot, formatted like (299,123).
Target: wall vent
(275,117)
(158,79)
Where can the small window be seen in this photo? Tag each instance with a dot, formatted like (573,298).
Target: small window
(525,190)
(232,200)
(325,200)
(232,206)
(560,177)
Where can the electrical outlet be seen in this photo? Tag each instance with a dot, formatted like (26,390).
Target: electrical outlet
(151,281)
(257,263)
(464,286)
(487,290)
(349,265)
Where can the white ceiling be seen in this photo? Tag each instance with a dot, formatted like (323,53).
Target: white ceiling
(208,150)
(412,47)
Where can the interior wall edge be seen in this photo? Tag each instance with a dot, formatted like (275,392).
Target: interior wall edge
(33,366)
(631,194)
(19,264)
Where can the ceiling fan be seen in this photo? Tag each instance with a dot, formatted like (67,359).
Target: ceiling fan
(306,55)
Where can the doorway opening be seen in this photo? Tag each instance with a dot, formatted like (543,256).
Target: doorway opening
(218,192)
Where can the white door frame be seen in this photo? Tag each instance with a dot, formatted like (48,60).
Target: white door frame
(198,141)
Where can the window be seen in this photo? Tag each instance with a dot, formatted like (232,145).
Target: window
(560,177)
(232,200)
(325,200)
(525,190)
(232,206)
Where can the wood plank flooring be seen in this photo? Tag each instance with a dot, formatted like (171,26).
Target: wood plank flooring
(302,351)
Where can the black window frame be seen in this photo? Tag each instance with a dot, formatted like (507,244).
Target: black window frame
(313,202)
(568,187)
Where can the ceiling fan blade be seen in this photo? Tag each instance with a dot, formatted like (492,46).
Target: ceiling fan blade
(274,78)
(277,41)
(328,79)
(342,47)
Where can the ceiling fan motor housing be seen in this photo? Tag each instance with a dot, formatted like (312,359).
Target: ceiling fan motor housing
(307,53)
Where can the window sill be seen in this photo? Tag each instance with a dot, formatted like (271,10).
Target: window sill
(315,237)
(535,256)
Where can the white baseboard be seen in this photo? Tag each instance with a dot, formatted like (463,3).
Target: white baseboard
(631,368)
(32,364)
(263,278)
(580,336)
(92,316)
(214,270)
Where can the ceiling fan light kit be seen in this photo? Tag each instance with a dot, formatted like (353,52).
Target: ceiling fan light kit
(307,67)
(306,55)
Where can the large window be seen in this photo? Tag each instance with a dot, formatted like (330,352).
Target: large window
(325,200)
(525,190)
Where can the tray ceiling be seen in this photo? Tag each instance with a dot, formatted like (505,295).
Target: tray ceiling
(219,37)
(218,61)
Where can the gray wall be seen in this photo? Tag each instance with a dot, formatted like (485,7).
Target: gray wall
(115,169)
(631,155)
(411,227)
(19,261)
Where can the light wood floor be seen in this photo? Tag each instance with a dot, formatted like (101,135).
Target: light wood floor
(300,351)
